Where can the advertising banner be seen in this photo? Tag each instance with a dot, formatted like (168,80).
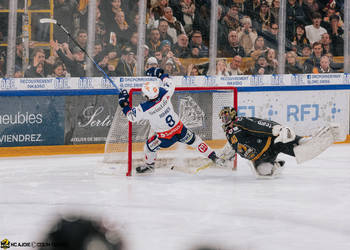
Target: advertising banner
(31,121)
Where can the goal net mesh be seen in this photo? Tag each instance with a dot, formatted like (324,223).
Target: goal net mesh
(198,108)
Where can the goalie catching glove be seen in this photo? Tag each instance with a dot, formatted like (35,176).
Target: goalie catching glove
(284,134)
(123,98)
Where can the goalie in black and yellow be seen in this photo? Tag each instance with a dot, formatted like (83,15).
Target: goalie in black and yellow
(260,141)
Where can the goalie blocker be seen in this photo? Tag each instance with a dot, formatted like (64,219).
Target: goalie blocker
(260,141)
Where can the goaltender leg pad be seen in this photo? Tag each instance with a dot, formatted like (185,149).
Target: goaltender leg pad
(266,170)
(318,143)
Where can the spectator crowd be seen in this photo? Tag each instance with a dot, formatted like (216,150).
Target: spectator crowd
(177,38)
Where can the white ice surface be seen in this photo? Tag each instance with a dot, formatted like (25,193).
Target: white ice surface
(307,208)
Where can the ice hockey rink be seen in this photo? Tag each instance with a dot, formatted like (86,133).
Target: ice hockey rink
(306,208)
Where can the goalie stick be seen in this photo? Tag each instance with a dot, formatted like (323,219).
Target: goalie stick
(53,21)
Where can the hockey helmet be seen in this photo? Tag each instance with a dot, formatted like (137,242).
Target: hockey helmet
(227,114)
(150,90)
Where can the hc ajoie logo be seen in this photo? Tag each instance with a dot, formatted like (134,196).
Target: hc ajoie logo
(202,147)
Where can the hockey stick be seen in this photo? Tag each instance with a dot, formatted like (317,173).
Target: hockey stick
(53,21)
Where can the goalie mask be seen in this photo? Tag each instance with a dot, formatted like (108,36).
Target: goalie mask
(150,90)
(227,115)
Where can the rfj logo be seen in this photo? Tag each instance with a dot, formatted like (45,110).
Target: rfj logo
(5,244)
(190,113)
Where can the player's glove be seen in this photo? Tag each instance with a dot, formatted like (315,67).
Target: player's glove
(156,72)
(123,98)
(284,134)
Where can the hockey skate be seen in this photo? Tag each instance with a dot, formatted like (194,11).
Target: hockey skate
(146,168)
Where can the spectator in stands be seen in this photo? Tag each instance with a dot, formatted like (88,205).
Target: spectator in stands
(165,48)
(294,16)
(275,8)
(158,54)
(251,8)
(324,66)
(310,7)
(261,66)
(247,36)
(58,70)
(174,67)
(271,58)
(326,20)
(38,57)
(233,47)
(133,41)
(300,40)
(221,69)
(264,19)
(306,51)
(197,42)
(188,9)
(326,43)
(192,70)
(157,10)
(121,28)
(292,66)
(154,41)
(234,67)
(126,63)
(151,62)
(315,31)
(314,60)
(271,36)
(100,33)
(337,36)
(175,27)
(232,17)
(259,48)
(181,49)
(163,31)
(81,38)
(75,66)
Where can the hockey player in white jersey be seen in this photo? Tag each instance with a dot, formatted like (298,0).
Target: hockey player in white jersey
(168,127)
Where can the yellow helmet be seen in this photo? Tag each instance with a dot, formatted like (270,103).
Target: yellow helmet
(227,115)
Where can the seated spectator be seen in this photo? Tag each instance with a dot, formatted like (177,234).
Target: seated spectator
(175,27)
(221,69)
(326,43)
(58,70)
(271,36)
(188,9)
(324,66)
(158,54)
(201,22)
(264,19)
(259,48)
(233,48)
(271,58)
(133,41)
(151,62)
(234,67)
(294,16)
(261,67)
(315,31)
(247,36)
(121,28)
(197,42)
(81,38)
(306,51)
(181,48)
(63,13)
(232,17)
(314,60)
(100,28)
(34,70)
(337,36)
(192,70)
(163,31)
(173,67)
(154,41)
(126,63)
(309,7)
(275,9)
(157,10)
(292,66)
(300,40)
(251,8)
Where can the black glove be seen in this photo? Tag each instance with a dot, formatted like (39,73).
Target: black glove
(157,72)
(123,98)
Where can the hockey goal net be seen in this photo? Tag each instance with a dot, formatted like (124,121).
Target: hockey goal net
(197,107)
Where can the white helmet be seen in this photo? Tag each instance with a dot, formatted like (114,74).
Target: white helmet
(151,90)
